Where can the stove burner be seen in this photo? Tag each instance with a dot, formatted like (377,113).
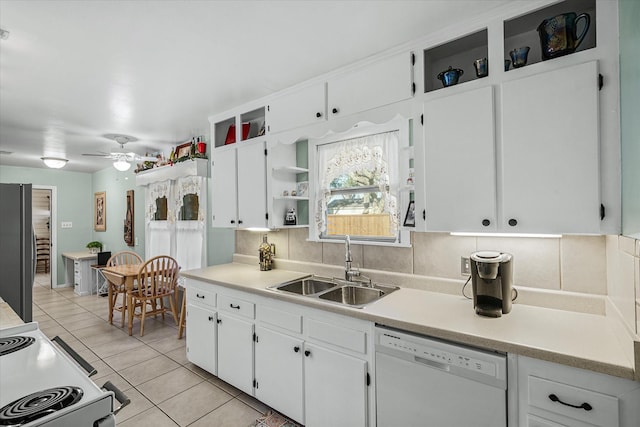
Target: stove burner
(11,344)
(38,405)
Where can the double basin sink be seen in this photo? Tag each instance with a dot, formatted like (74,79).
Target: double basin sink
(352,294)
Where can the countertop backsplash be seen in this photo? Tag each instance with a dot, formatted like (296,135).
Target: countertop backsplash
(575,273)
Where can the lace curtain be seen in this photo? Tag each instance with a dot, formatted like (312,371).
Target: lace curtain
(372,152)
(155,191)
(189,185)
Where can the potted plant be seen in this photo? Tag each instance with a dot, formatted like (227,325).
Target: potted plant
(94,247)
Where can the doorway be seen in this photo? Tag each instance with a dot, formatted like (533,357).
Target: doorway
(43,208)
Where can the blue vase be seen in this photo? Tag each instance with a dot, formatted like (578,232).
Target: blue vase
(450,76)
(519,56)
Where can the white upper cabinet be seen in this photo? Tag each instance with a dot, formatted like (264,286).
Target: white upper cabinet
(301,107)
(379,83)
(460,166)
(223,188)
(550,152)
(252,196)
(238,190)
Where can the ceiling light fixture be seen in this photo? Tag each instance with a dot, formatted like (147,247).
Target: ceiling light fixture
(122,165)
(54,162)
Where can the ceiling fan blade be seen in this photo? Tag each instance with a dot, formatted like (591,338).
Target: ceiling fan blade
(146,159)
(105,155)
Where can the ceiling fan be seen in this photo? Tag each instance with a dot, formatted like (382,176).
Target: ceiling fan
(122,160)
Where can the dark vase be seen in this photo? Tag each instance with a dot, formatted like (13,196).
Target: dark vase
(558,35)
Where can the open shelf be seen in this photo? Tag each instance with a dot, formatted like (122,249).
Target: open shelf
(256,121)
(522,30)
(460,53)
(220,131)
(290,170)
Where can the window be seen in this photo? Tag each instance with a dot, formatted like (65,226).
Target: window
(357,185)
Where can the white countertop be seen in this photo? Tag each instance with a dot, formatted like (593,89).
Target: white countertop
(81,255)
(581,340)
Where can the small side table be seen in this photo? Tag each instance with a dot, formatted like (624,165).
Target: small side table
(101,281)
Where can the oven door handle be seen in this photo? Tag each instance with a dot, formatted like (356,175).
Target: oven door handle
(85,365)
(120,396)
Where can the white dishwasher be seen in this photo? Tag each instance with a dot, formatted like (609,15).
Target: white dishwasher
(422,381)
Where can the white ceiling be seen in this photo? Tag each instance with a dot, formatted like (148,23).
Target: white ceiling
(72,71)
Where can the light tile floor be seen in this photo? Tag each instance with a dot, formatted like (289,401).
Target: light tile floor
(164,387)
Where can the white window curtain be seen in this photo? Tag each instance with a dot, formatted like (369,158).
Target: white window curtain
(190,235)
(183,240)
(378,151)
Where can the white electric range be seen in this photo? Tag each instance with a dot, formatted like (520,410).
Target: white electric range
(41,386)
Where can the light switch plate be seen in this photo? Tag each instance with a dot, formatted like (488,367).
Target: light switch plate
(66,224)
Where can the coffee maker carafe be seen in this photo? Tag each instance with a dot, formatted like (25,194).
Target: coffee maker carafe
(492,280)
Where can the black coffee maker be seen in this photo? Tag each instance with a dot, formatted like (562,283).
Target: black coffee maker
(492,281)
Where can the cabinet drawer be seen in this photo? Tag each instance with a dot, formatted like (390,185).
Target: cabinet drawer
(282,319)
(337,335)
(237,306)
(200,297)
(556,397)
(533,421)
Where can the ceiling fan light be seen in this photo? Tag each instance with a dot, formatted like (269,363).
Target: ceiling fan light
(54,162)
(122,165)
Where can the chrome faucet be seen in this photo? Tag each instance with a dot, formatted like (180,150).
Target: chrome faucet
(349,271)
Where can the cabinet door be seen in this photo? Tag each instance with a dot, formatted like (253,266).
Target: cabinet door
(335,388)
(235,352)
(223,188)
(278,362)
(381,83)
(302,107)
(460,167)
(252,186)
(550,152)
(201,337)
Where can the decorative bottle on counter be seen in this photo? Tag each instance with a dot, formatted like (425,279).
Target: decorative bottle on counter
(266,252)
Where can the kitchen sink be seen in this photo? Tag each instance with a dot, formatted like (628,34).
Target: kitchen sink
(356,295)
(336,291)
(307,286)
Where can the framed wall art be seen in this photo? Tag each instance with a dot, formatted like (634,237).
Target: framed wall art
(184,150)
(100,211)
(128,220)
(410,217)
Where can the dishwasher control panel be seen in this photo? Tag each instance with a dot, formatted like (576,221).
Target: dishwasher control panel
(438,354)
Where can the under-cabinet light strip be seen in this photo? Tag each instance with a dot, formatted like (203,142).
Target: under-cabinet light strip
(541,236)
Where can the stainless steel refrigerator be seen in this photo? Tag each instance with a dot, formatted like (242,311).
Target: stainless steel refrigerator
(17,248)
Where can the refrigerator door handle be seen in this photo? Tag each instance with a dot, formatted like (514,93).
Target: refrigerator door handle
(34,260)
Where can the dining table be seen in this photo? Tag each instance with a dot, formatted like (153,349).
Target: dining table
(130,273)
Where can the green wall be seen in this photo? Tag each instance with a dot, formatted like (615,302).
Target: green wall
(116,184)
(75,204)
(629,11)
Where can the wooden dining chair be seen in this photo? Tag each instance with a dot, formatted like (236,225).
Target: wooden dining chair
(117,282)
(157,279)
(183,313)
(43,248)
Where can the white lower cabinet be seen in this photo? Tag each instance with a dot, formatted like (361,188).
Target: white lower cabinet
(201,337)
(551,395)
(235,352)
(278,365)
(335,388)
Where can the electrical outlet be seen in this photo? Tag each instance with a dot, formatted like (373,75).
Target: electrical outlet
(66,224)
(465,266)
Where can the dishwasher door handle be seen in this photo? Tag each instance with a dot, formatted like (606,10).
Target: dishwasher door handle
(438,365)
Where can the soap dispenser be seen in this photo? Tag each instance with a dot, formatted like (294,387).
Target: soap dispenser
(266,252)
